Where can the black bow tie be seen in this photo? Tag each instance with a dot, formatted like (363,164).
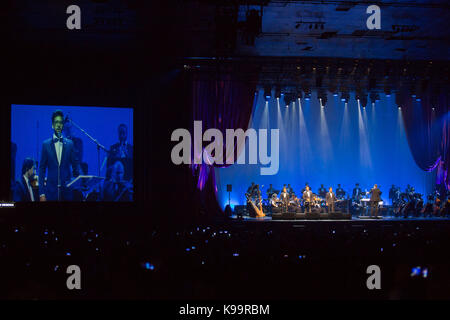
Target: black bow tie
(55,140)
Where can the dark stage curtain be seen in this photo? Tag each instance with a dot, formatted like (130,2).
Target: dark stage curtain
(221,101)
(428,131)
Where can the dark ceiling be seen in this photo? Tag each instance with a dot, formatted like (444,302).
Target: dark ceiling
(413,30)
(410,30)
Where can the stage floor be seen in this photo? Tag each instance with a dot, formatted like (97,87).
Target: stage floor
(380,218)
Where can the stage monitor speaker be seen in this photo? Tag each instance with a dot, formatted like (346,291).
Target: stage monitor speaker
(277,210)
(324,215)
(300,216)
(288,216)
(314,215)
(229,188)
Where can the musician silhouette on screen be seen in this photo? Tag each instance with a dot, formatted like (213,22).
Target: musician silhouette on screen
(23,190)
(77,146)
(57,158)
(123,152)
(117,189)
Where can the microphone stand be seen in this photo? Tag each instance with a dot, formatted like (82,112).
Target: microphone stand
(99,146)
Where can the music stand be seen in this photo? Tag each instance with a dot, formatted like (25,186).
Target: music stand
(85,184)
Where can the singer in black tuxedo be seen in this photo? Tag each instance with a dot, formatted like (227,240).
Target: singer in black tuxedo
(57,157)
(330,199)
(284,197)
(307,199)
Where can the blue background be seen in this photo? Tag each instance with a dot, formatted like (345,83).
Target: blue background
(336,144)
(32,124)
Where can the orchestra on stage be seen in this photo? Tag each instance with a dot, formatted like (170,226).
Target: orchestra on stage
(359,201)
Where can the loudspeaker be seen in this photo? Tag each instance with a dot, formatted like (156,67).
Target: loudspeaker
(228,211)
(229,188)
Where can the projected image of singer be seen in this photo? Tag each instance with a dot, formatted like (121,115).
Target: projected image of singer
(57,159)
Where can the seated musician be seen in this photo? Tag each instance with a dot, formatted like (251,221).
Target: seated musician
(117,189)
(392,192)
(308,198)
(23,191)
(408,189)
(121,151)
(412,194)
(330,199)
(304,188)
(436,193)
(270,191)
(257,193)
(294,201)
(250,189)
(397,195)
(322,191)
(284,197)
(289,189)
(419,203)
(340,193)
(428,209)
(445,211)
(357,193)
(274,201)
(437,207)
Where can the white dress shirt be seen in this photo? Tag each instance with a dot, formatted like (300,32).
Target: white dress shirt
(123,150)
(58,148)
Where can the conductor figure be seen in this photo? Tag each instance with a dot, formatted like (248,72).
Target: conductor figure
(375,198)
